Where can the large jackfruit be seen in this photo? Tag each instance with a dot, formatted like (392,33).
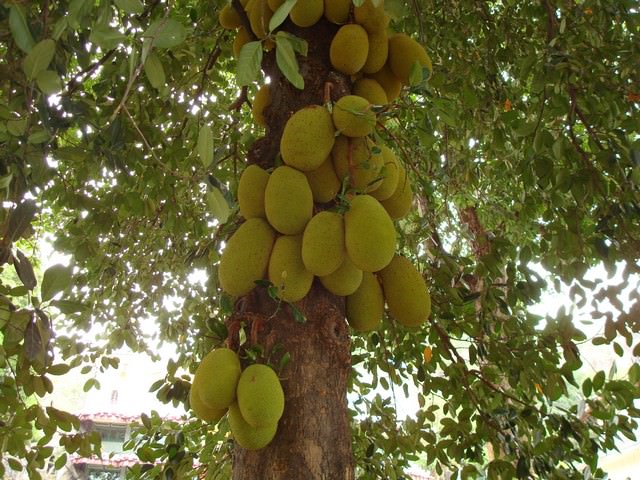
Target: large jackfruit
(370,237)
(323,243)
(360,160)
(246,256)
(406,293)
(307,138)
(248,437)
(260,396)
(388,81)
(324,182)
(288,200)
(390,174)
(286,269)
(345,280)
(370,90)
(251,188)
(399,203)
(372,18)
(404,52)
(259,15)
(353,116)
(378,51)
(242,37)
(307,12)
(216,378)
(365,307)
(229,18)
(349,49)
(261,101)
(337,11)
(202,410)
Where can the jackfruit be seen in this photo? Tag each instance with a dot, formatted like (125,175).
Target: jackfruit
(324,182)
(365,307)
(364,166)
(390,173)
(391,85)
(353,116)
(405,292)
(260,396)
(261,101)
(349,49)
(370,90)
(307,138)
(372,18)
(246,256)
(201,410)
(404,52)
(378,51)
(274,4)
(242,37)
(399,203)
(248,437)
(323,243)
(286,269)
(259,15)
(370,237)
(337,11)
(251,188)
(345,280)
(288,201)
(229,18)
(307,12)
(216,378)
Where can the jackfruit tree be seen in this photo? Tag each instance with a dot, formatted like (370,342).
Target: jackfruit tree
(359,207)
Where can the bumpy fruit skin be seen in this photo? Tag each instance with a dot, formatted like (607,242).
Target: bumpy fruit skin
(406,293)
(251,187)
(353,116)
(370,90)
(349,49)
(378,51)
(324,182)
(288,200)
(365,307)
(345,280)
(387,80)
(201,410)
(307,138)
(217,378)
(372,18)
(245,435)
(246,256)
(399,203)
(323,243)
(365,165)
(261,101)
(390,174)
(404,52)
(239,41)
(370,237)
(337,11)
(307,12)
(286,269)
(229,18)
(260,396)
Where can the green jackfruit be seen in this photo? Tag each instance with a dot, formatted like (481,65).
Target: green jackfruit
(216,378)
(260,396)
(246,256)
(365,307)
(286,269)
(370,237)
(259,15)
(288,200)
(399,203)
(307,138)
(364,165)
(261,101)
(307,12)
(387,80)
(337,11)
(370,90)
(345,280)
(201,410)
(390,173)
(248,437)
(404,52)
(229,18)
(251,188)
(323,243)
(324,182)
(349,49)
(353,116)
(242,37)
(405,292)
(372,18)
(378,51)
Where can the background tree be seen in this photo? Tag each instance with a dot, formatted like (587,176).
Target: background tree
(523,147)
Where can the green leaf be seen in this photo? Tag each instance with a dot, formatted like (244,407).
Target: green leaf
(205,145)
(249,62)
(281,14)
(20,219)
(287,62)
(218,204)
(154,71)
(69,306)
(106,37)
(39,58)
(634,373)
(55,279)
(38,137)
(17,128)
(133,7)
(415,76)
(598,380)
(24,270)
(58,369)
(166,33)
(20,29)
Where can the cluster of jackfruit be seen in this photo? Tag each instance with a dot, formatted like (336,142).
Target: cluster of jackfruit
(253,397)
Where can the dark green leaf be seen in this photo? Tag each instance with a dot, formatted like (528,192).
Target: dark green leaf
(20,28)
(55,279)
(287,62)
(39,58)
(249,63)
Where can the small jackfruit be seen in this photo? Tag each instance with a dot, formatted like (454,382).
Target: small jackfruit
(201,410)
(390,174)
(370,90)
(345,280)
(217,378)
(307,138)
(288,201)
(260,396)
(229,18)
(353,116)
(261,101)
(387,80)
(360,160)
(324,182)
(372,18)
(399,203)
(242,37)
(246,256)
(323,243)
(286,269)
(337,11)
(370,237)
(405,292)
(307,12)
(248,437)
(259,15)
(378,51)
(404,52)
(365,307)
(251,188)
(349,49)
